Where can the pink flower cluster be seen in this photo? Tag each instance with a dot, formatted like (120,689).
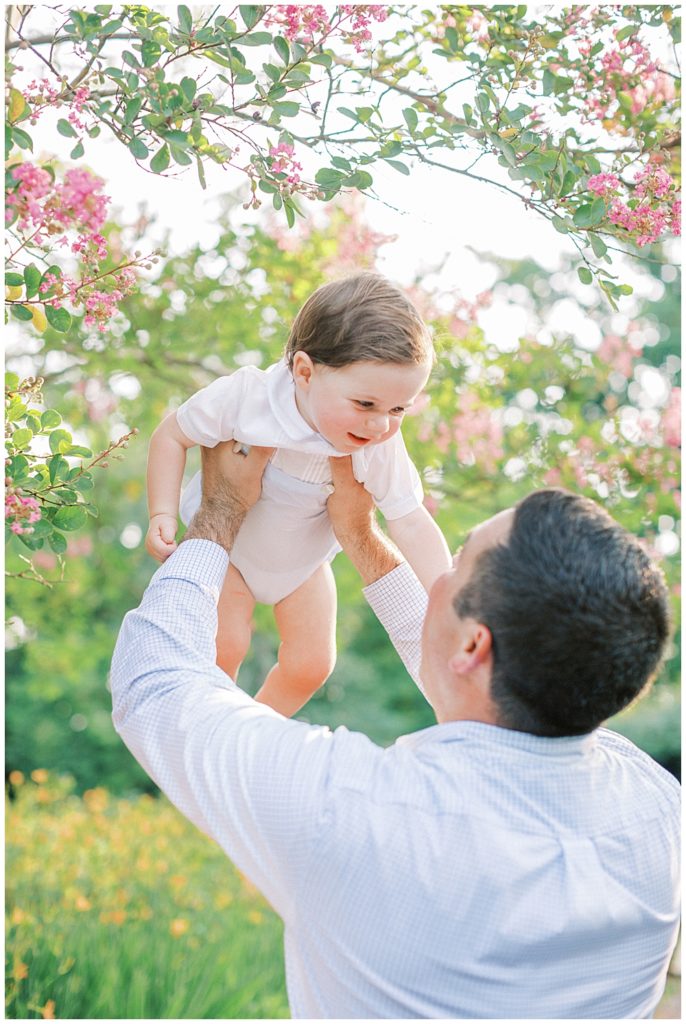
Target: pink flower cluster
(21,512)
(619,354)
(671,419)
(47,208)
(601,184)
(627,68)
(42,94)
(657,208)
(50,207)
(283,162)
(306,23)
(475,432)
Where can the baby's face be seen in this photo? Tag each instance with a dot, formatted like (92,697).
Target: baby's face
(357,405)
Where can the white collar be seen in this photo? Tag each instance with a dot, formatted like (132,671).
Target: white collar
(281,394)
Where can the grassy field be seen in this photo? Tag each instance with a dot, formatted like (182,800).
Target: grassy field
(121,908)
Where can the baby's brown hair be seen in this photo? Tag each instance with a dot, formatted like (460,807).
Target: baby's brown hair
(359,318)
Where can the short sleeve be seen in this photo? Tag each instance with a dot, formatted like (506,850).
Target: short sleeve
(209,416)
(391,478)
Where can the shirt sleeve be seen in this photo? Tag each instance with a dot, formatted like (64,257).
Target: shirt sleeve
(399,602)
(391,478)
(254,781)
(209,416)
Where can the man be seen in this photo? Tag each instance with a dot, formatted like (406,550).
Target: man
(513,861)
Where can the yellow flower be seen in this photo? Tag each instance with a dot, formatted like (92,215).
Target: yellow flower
(81,903)
(179,926)
(16,777)
(18,916)
(39,775)
(256,916)
(48,1011)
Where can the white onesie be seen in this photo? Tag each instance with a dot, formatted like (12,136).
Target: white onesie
(287,534)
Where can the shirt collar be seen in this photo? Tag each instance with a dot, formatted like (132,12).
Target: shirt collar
(493,735)
(281,394)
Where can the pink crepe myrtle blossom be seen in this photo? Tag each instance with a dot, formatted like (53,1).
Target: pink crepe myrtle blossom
(618,353)
(308,24)
(283,162)
(21,512)
(671,419)
(603,184)
(653,181)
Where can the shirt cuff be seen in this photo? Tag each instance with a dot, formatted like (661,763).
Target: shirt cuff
(396,594)
(197,561)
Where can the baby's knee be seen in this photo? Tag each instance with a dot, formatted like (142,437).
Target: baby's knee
(307,669)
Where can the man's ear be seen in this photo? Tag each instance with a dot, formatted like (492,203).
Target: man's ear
(475,648)
(303,368)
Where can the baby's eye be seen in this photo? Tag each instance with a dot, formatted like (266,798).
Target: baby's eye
(398,411)
(363,405)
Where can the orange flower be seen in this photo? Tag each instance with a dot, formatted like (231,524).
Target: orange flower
(179,926)
(48,1011)
(39,775)
(20,970)
(16,777)
(18,915)
(81,903)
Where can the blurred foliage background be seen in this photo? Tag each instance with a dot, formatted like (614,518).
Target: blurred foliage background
(595,410)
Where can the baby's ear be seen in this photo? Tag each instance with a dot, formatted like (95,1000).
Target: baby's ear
(303,368)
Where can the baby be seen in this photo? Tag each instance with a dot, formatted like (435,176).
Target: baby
(357,357)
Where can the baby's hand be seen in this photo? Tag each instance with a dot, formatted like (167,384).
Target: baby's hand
(159,541)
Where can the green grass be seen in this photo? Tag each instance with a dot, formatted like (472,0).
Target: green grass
(120,908)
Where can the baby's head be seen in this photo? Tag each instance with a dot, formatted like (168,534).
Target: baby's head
(360,355)
(359,319)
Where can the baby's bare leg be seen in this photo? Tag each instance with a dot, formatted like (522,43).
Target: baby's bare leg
(234,612)
(306,621)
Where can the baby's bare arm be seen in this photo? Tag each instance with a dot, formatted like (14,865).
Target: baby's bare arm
(423,545)
(166,463)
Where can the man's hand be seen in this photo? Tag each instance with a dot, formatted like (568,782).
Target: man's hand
(231,484)
(353,516)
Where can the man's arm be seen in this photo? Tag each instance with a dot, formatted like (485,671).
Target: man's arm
(393,591)
(253,780)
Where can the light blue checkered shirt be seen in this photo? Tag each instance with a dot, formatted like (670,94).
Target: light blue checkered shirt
(467,871)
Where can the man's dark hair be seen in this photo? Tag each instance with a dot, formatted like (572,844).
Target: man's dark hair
(578,614)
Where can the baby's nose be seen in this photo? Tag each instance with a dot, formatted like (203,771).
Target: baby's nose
(378,422)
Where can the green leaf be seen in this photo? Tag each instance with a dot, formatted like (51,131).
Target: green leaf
(585,275)
(160,161)
(597,244)
(250,14)
(562,225)
(59,439)
(21,313)
(483,102)
(33,422)
(180,156)
(22,138)
(49,419)
(282,48)
(328,177)
(59,319)
(79,452)
(11,381)
(624,33)
(13,280)
(58,543)
(201,172)
(64,128)
(548,82)
(32,278)
(22,437)
(411,119)
(188,87)
(58,468)
(568,183)
(625,289)
(290,214)
(185,19)
(131,59)
(150,53)
(451,38)
(71,517)
(590,214)
(77,152)
(132,109)
(256,39)
(176,137)
(272,71)
(288,109)
(138,149)
(364,114)
(360,180)
(398,166)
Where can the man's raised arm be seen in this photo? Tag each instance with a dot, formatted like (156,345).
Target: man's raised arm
(394,593)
